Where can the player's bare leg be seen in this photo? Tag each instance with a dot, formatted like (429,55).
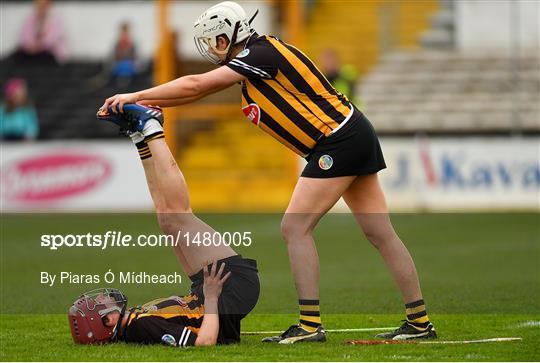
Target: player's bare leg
(159,199)
(311,199)
(175,216)
(366,200)
(168,187)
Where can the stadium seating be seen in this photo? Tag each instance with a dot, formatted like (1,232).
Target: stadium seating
(68,96)
(232,163)
(442,32)
(365,29)
(445,91)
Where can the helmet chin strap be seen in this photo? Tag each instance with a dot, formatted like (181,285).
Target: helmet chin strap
(233,39)
(231,44)
(119,323)
(253,17)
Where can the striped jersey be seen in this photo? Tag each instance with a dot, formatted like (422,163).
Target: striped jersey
(286,95)
(173,321)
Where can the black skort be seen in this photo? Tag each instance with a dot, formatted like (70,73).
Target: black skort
(352,150)
(238,297)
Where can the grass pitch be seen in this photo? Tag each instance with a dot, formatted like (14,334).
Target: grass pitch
(480,275)
(45,338)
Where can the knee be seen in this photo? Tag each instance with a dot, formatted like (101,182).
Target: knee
(379,235)
(373,237)
(166,221)
(165,208)
(286,230)
(176,205)
(170,221)
(294,231)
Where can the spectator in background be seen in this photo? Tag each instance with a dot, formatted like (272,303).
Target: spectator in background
(124,56)
(18,119)
(342,77)
(42,36)
(121,66)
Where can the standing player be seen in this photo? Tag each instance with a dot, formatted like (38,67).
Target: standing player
(220,296)
(285,95)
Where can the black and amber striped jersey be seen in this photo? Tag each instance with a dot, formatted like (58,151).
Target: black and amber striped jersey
(173,320)
(286,95)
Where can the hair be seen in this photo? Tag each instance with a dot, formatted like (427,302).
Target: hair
(242,43)
(12,85)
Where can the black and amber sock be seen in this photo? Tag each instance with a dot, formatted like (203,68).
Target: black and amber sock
(310,314)
(144,150)
(154,136)
(417,315)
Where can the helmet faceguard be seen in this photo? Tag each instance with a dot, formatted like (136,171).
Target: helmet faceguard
(227,19)
(88,311)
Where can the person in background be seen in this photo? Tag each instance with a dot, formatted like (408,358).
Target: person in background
(342,77)
(120,67)
(124,56)
(42,36)
(18,119)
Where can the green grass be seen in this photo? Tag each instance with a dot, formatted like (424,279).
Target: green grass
(480,275)
(23,340)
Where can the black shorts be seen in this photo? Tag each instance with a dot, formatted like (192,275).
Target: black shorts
(352,150)
(238,297)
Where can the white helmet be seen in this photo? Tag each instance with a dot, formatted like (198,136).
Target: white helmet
(226,18)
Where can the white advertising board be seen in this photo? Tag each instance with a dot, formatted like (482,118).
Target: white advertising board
(439,174)
(72,176)
(462,173)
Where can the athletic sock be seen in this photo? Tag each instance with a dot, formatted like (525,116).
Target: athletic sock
(136,137)
(152,127)
(417,315)
(310,314)
(155,136)
(144,150)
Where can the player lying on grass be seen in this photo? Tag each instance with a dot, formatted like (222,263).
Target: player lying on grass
(221,294)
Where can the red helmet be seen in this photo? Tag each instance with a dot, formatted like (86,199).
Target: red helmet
(87,313)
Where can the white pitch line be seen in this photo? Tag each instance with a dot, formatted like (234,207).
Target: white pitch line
(328,330)
(529,324)
(489,340)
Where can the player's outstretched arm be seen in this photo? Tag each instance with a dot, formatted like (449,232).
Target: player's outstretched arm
(213,283)
(173,102)
(179,91)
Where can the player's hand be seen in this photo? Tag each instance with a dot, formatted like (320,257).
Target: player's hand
(213,280)
(116,102)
